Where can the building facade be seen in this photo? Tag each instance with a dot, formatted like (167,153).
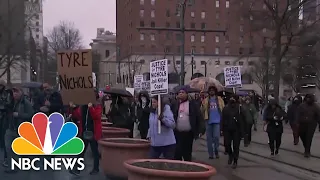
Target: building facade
(104,57)
(147,30)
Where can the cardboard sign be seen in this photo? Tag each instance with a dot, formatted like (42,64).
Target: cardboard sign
(232,76)
(137,82)
(159,77)
(75,77)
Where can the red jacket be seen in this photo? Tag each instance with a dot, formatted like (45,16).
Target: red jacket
(95,112)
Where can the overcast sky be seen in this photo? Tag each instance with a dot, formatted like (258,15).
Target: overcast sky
(87,15)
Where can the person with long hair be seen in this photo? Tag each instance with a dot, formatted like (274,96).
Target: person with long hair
(163,143)
(143,113)
(273,117)
(88,120)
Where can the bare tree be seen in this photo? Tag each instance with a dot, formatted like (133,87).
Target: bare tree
(64,36)
(13,46)
(291,78)
(134,67)
(279,24)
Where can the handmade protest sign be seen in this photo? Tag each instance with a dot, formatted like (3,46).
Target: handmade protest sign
(137,82)
(75,76)
(232,76)
(159,77)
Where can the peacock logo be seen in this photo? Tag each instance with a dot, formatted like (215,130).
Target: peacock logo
(48,136)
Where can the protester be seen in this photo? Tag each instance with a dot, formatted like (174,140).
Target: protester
(233,122)
(143,113)
(22,112)
(88,119)
(251,118)
(189,125)
(292,119)
(255,101)
(273,117)
(211,109)
(288,103)
(308,116)
(50,100)
(163,143)
(6,105)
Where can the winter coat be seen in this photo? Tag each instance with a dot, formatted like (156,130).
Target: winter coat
(25,112)
(274,119)
(251,113)
(143,113)
(292,110)
(233,119)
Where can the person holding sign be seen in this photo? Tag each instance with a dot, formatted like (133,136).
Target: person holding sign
(189,125)
(163,143)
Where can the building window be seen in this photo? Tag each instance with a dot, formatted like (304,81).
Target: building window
(227,4)
(168,49)
(193,50)
(141,2)
(203,25)
(192,38)
(240,50)
(226,51)
(141,37)
(217,38)
(107,53)
(37,23)
(141,13)
(226,39)
(37,30)
(227,62)
(217,62)
(178,24)
(37,36)
(264,30)
(178,37)
(217,15)
(152,37)
(251,51)
(168,36)
(217,50)
(203,15)
(193,25)
(153,14)
(217,3)
(203,38)
(241,39)
(192,14)
(167,24)
(202,50)
(153,2)
(141,23)
(178,49)
(168,13)
(37,16)
(241,28)
(178,62)
(241,63)
(250,63)
(153,24)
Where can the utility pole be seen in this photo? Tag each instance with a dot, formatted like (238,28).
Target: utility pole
(192,61)
(205,69)
(181,10)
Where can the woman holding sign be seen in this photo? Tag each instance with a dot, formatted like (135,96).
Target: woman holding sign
(161,143)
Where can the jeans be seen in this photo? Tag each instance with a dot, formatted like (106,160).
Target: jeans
(9,137)
(213,137)
(168,152)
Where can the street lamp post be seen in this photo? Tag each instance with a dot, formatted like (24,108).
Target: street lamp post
(192,62)
(181,9)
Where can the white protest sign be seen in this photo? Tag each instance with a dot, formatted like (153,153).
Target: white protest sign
(232,76)
(137,82)
(145,86)
(159,77)
(94,79)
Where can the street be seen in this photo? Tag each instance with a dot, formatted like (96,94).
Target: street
(254,163)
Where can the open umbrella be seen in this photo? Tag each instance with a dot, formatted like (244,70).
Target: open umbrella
(31,85)
(118,92)
(187,88)
(202,83)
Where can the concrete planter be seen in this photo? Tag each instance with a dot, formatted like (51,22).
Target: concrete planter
(113,132)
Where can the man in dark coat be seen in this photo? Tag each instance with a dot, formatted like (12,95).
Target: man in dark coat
(308,116)
(143,112)
(233,127)
(51,101)
(291,118)
(189,125)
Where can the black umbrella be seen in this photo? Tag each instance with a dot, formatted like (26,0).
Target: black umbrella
(31,85)
(118,92)
(187,88)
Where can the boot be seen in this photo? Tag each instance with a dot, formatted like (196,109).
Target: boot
(230,160)
(235,164)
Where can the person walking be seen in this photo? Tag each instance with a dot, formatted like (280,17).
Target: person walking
(211,109)
(307,116)
(22,112)
(273,117)
(251,117)
(233,122)
(292,119)
(50,100)
(163,143)
(88,120)
(189,125)
(143,113)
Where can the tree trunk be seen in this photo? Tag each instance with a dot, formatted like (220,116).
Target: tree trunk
(278,59)
(8,72)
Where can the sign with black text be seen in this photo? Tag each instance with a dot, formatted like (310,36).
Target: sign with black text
(145,86)
(137,82)
(232,76)
(159,77)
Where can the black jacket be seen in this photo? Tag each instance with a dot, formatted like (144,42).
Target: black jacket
(143,113)
(233,119)
(196,119)
(275,125)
